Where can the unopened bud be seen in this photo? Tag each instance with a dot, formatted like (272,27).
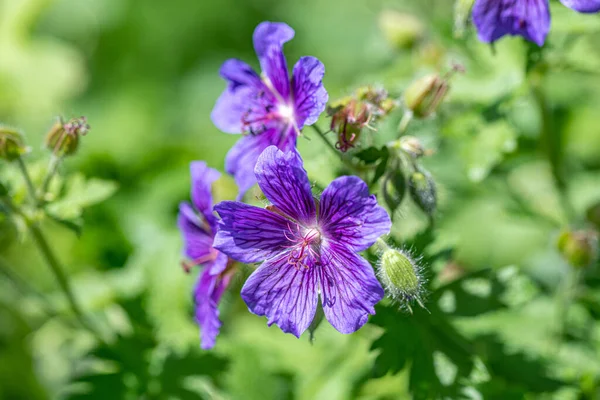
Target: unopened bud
(424,95)
(401,276)
(11,144)
(401,30)
(579,248)
(412,146)
(63,138)
(423,191)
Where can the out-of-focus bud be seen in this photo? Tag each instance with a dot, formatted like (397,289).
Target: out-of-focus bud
(63,138)
(351,114)
(401,30)
(400,276)
(423,191)
(424,95)
(412,146)
(579,248)
(593,215)
(11,144)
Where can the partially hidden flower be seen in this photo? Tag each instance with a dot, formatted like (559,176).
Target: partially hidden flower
(527,18)
(198,225)
(271,108)
(308,247)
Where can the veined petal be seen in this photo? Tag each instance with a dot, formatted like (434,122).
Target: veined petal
(527,18)
(284,182)
(350,216)
(583,6)
(207,295)
(197,240)
(349,289)
(242,157)
(242,89)
(250,234)
(269,38)
(202,179)
(218,265)
(310,96)
(287,296)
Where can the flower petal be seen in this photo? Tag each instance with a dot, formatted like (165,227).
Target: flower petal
(269,38)
(283,293)
(207,295)
(310,96)
(583,6)
(202,179)
(349,215)
(284,182)
(527,18)
(242,157)
(197,240)
(250,234)
(242,90)
(349,289)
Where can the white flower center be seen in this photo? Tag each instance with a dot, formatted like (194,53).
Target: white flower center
(286,112)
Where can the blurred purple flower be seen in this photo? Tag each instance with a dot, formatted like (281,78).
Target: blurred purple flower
(198,226)
(308,247)
(527,18)
(270,109)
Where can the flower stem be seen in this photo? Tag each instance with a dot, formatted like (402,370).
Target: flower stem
(27,179)
(61,277)
(50,172)
(404,122)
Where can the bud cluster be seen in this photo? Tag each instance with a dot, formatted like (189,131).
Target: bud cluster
(351,114)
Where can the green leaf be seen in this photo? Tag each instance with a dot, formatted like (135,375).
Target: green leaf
(394,188)
(382,166)
(80,193)
(371,154)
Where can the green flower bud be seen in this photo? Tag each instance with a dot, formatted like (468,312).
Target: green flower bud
(400,275)
(11,144)
(63,138)
(401,30)
(424,95)
(579,248)
(423,191)
(412,146)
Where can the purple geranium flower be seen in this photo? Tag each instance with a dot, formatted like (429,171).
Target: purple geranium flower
(270,109)
(308,246)
(198,226)
(527,18)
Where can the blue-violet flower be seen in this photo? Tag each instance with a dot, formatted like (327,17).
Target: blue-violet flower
(270,109)
(198,226)
(527,18)
(309,247)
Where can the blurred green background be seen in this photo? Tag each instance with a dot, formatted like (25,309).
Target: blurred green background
(145,73)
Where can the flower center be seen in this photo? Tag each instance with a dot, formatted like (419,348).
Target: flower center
(307,243)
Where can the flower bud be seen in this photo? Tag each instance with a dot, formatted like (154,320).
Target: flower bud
(401,276)
(11,144)
(394,188)
(401,30)
(423,191)
(63,138)
(424,95)
(412,146)
(579,248)
(351,114)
